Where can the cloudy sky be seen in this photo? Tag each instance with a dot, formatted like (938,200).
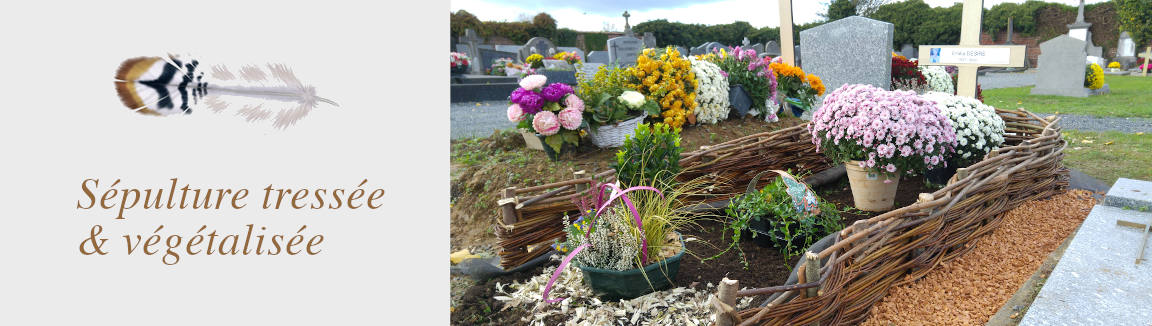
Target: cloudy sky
(599,15)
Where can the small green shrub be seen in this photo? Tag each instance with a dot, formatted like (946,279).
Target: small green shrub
(790,231)
(650,157)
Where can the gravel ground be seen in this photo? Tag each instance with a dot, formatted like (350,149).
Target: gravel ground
(1098,124)
(479,119)
(970,289)
(995,80)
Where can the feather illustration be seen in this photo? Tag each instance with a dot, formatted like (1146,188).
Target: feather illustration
(169,85)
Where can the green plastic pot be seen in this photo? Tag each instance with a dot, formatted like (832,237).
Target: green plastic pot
(629,284)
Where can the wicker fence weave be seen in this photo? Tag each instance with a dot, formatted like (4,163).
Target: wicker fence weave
(903,245)
(532,216)
(868,257)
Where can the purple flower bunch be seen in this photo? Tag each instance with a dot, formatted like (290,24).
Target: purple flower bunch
(548,108)
(887,131)
(762,69)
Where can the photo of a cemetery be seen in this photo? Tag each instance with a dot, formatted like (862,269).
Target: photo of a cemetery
(885,163)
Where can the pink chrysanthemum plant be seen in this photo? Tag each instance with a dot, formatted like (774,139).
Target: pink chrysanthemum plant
(885,132)
(551,110)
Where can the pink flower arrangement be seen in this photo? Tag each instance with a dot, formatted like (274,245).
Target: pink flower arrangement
(553,111)
(515,113)
(887,131)
(533,82)
(546,123)
(570,118)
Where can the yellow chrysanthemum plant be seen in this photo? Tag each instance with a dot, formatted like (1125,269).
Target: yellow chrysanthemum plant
(796,87)
(666,77)
(535,61)
(1114,65)
(1093,76)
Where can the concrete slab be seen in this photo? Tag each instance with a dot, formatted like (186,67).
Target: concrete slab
(1097,282)
(1134,194)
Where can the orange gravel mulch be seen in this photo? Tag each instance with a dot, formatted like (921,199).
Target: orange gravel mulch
(970,289)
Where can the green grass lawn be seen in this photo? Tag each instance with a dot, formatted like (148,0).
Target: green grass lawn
(1110,155)
(1131,97)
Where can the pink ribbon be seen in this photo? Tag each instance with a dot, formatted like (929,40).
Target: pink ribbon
(588,233)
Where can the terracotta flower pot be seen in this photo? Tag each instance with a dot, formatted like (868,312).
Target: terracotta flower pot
(869,190)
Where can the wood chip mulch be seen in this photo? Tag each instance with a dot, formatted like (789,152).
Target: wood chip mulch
(970,289)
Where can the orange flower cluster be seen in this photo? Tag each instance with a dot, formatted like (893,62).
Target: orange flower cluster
(667,79)
(786,71)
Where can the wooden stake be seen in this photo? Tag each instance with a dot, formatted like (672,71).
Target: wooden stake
(508,205)
(812,274)
(787,45)
(580,187)
(727,296)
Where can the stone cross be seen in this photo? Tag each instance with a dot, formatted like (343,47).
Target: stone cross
(1009,40)
(787,49)
(1147,55)
(627,28)
(473,40)
(970,55)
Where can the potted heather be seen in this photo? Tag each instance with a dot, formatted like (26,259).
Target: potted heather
(612,111)
(627,242)
(978,131)
(553,112)
(878,134)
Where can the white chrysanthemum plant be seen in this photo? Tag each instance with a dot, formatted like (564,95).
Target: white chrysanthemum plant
(938,79)
(978,128)
(711,93)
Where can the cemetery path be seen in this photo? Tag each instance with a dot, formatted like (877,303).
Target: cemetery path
(1099,124)
(479,119)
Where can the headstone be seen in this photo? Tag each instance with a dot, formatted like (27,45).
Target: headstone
(759,48)
(488,57)
(463,48)
(507,48)
(745,43)
(597,57)
(537,45)
(1079,30)
(683,51)
(853,50)
(708,47)
(1125,50)
(587,70)
(649,40)
(471,41)
(772,48)
(796,55)
(623,50)
(908,51)
(1061,66)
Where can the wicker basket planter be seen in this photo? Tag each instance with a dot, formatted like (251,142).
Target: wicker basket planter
(869,190)
(607,136)
(629,284)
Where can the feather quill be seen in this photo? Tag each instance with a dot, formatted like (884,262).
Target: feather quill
(169,85)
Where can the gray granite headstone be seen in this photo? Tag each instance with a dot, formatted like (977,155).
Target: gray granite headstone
(796,53)
(759,48)
(1126,50)
(597,57)
(623,50)
(537,45)
(463,48)
(908,51)
(708,47)
(508,48)
(772,48)
(1061,68)
(649,40)
(488,57)
(683,51)
(853,50)
(587,70)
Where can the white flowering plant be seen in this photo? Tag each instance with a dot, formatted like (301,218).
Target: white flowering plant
(711,92)
(938,79)
(978,128)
